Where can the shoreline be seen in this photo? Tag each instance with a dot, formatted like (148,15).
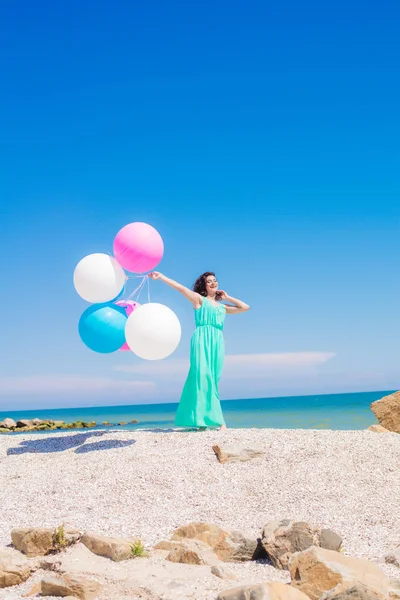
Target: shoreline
(146,484)
(330,411)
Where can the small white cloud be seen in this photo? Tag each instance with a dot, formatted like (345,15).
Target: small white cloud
(84,386)
(242,366)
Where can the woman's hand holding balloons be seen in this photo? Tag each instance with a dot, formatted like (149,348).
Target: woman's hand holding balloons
(155,275)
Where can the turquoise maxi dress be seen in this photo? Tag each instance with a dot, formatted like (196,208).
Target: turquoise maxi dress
(199,405)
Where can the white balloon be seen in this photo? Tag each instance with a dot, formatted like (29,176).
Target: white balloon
(153,331)
(99,278)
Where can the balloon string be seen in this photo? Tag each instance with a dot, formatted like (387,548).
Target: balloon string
(148,289)
(142,285)
(138,290)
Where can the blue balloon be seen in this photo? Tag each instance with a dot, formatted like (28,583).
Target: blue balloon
(102,327)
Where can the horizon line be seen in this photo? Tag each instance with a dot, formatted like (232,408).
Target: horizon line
(106,406)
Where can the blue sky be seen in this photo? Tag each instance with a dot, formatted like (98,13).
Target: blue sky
(262,141)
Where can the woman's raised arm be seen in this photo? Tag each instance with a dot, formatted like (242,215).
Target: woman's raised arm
(193,297)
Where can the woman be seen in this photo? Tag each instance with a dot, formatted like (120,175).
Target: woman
(199,405)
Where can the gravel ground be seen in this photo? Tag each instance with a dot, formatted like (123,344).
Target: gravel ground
(145,484)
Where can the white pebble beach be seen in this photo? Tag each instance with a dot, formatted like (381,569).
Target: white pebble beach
(145,484)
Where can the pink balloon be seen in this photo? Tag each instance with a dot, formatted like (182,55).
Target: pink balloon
(138,247)
(129,306)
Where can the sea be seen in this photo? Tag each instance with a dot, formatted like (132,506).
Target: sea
(322,411)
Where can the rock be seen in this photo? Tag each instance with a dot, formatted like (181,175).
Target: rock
(34,591)
(356,592)
(78,425)
(25,423)
(316,571)
(237,548)
(35,541)
(8,424)
(167,545)
(72,536)
(50,563)
(70,585)
(39,541)
(222,572)
(115,548)
(387,411)
(58,424)
(227,546)
(34,423)
(393,557)
(208,533)
(330,540)
(45,426)
(378,429)
(281,539)
(14,569)
(236,453)
(193,552)
(263,591)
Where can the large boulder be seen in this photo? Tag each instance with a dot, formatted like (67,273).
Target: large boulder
(263,591)
(33,541)
(281,539)
(25,423)
(14,569)
(238,548)
(317,571)
(39,541)
(237,453)
(115,548)
(387,411)
(71,585)
(167,545)
(8,424)
(210,534)
(228,546)
(193,552)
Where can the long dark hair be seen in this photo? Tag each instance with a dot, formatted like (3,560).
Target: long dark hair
(199,285)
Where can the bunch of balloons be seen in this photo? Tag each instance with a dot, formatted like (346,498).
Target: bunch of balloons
(151,331)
